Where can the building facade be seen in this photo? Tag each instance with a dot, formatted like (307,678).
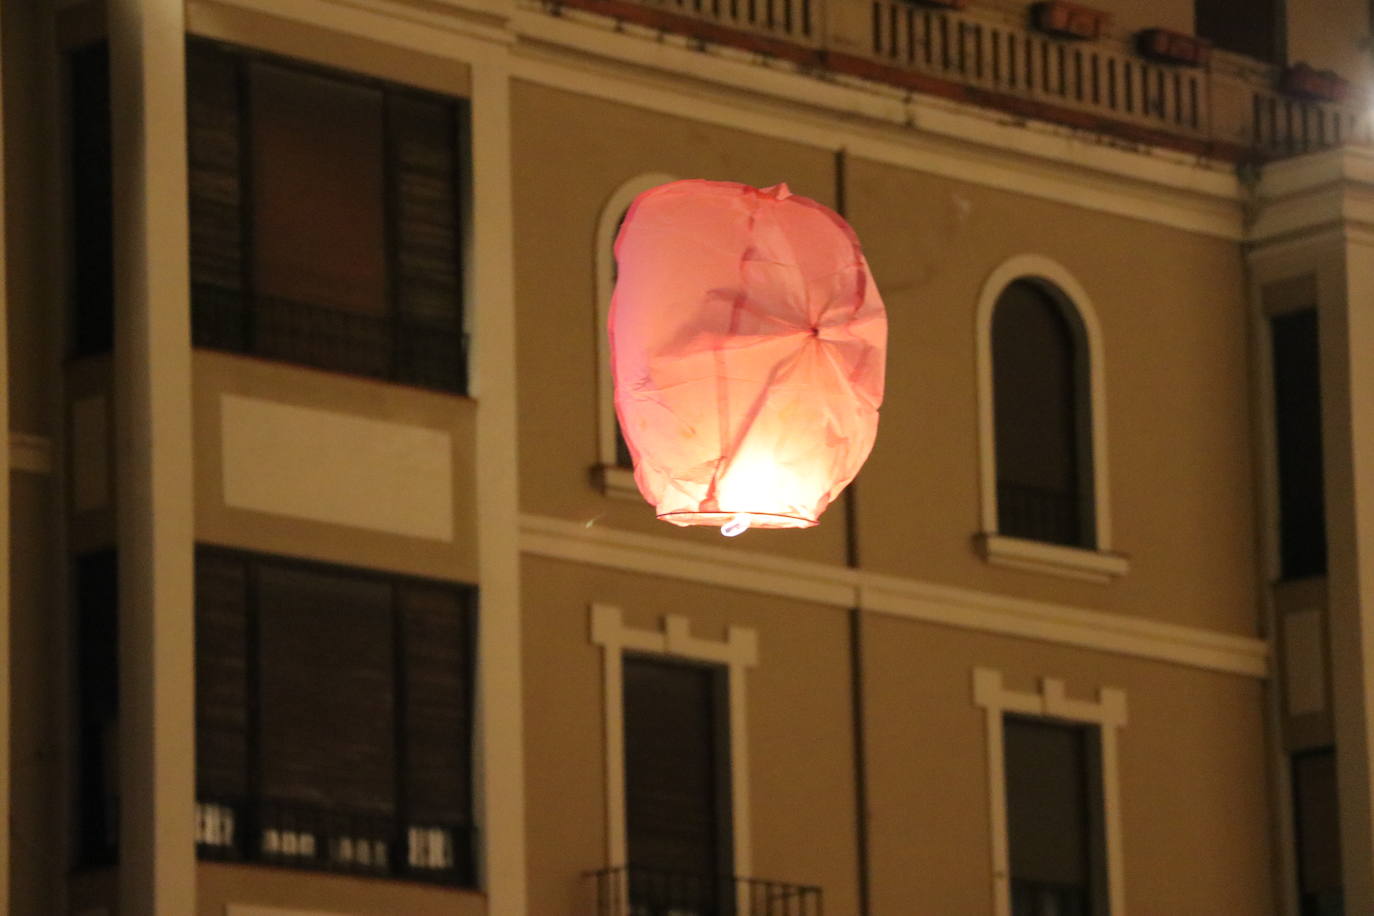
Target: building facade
(329,589)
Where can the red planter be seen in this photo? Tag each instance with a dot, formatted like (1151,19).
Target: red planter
(1303,81)
(1069,20)
(1173,47)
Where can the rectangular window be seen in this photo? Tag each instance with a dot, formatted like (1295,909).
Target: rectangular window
(333,718)
(1298,435)
(1054,819)
(92,201)
(677,786)
(1316,816)
(1250,27)
(325,218)
(97,689)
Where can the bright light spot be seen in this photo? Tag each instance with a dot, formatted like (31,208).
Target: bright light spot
(736,526)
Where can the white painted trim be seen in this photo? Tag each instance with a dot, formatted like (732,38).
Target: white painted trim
(499,760)
(588,54)
(1065,288)
(31,453)
(843,587)
(453,35)
(606,223)
(738,653)
(155,490)
(1108,714)
(1053,559)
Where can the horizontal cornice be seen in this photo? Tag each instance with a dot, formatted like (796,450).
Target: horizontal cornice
(839,586)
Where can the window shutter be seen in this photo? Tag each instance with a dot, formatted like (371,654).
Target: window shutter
(674,761)
(214,158)
(221,677)
(328,707)
(438,678)
(426,138)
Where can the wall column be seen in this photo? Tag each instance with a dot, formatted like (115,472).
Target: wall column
(1316,221)
(1346,318)
(154,494)
(500,758)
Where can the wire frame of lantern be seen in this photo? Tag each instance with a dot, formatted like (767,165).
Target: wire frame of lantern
(748,344)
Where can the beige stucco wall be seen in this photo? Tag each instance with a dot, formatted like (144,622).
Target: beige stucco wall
(558,201)
(1170,304)
(1193,770)
(1332,34)
(1173,323)
(331,399)
(799,728)
(219,886)
(38,714)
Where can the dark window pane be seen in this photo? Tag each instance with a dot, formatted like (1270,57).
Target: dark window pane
(97,600)
(319,191)
(328,729)
(1250,27)
(676,755)
(1039,409)
(221,677)
(1317,822)
(92,203)
(1050,817)
(1298,430)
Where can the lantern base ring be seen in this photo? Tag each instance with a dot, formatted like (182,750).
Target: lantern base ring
(717,519)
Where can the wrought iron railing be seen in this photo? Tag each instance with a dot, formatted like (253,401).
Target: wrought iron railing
(429,355)
(635,890)
(1041,514)
(988,54)
(331,839)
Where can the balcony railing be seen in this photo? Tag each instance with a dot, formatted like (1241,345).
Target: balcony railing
(638,891)
(327,839)
(387,347)
(1040,514)
(990,56)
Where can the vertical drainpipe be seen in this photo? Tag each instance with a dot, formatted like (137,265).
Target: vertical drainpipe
(856,668)
(4,545)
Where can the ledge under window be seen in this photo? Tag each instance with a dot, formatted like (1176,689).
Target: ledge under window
(616,482)
(1052,559)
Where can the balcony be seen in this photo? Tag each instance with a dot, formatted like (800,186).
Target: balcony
(329,839)
(637,891)
(1231,109)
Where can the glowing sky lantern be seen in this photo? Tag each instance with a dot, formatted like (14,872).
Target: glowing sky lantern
(747,342)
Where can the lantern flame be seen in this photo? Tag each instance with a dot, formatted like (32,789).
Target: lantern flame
(736,526)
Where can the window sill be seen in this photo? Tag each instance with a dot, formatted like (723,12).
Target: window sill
(1052,559)
(617,482)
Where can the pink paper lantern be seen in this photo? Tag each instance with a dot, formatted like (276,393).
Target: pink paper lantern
(747,341)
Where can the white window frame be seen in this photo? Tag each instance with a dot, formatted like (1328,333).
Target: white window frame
(737,653)
(615,480)
(1099,564)
(1051,701)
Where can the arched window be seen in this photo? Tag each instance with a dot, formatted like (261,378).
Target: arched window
(1042,414)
